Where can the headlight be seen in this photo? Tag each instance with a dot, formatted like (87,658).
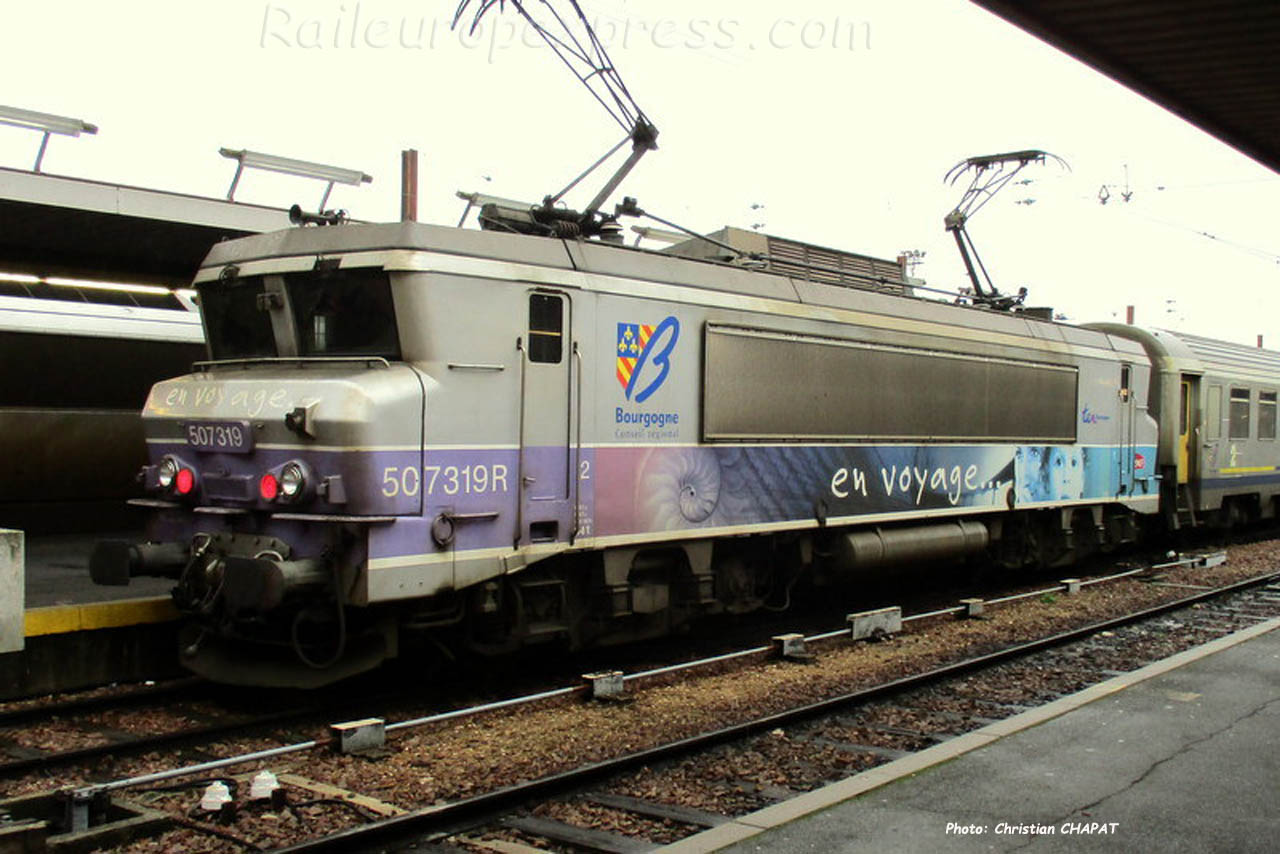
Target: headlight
(293,480)
(167,472)
(176,477)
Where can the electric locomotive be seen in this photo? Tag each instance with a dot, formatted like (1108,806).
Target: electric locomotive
(489,439)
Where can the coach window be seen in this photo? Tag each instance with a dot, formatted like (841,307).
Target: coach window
(1124,383)
(1239,428)
(546,328)
(1213,417)
(1266,415)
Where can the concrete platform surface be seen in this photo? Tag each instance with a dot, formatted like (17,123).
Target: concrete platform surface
(1181,756)
(75,634)
(57,572)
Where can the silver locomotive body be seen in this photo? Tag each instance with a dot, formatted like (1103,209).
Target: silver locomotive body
(409,430)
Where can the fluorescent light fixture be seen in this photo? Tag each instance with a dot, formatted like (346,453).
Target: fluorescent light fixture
(90,284)
(87,284)
(289,166)
(46,123)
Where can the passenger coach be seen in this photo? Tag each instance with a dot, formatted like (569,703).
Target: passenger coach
(1216,404)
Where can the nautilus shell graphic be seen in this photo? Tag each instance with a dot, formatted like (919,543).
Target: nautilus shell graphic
(682,488)
(678,488)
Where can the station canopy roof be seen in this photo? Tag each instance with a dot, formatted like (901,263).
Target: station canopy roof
(1212,63)
(54,225)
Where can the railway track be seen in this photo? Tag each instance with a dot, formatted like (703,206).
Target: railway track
(615,796)
(93,738)
(184,717)
(44,734)
(627,804)
(17,713)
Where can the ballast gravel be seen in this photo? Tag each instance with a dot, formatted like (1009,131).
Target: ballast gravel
(442,762)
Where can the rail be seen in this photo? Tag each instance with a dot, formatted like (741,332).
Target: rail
(515,702)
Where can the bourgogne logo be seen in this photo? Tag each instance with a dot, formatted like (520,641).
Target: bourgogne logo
(644,356)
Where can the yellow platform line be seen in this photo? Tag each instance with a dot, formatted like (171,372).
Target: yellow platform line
(62,619)
(1246,469)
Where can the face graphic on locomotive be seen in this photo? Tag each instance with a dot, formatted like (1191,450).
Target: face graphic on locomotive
(1048,473)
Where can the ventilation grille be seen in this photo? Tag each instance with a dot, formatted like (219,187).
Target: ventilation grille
(832,267)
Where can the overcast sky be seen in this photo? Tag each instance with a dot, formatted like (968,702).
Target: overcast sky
(840,118)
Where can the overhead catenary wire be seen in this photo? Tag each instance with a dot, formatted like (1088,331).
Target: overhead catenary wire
(1129,206)
(1130,210)
(1250,250)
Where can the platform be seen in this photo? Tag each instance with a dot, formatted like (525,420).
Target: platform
(76,634)
(57,572)
(1178,756)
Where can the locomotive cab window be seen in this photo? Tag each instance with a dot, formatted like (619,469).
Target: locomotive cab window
(546,328)
(335,313)
(344,313)
(1239,414)
(237,323)
(1267,415)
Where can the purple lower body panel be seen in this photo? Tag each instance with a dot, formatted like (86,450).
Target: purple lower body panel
(651,489)
(496,499)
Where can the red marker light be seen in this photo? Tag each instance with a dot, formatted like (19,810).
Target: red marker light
(184,481)
(268,487)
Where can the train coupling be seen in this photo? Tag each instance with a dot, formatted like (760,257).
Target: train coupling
(249,574)
(114,562)
(260,583)
(245,574)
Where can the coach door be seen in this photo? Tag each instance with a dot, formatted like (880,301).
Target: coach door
(1127,427)
(546,397)
(1186,422)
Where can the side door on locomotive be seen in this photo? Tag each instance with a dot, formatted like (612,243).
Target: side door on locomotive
(549,390)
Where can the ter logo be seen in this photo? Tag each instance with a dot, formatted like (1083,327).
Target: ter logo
(642,350)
